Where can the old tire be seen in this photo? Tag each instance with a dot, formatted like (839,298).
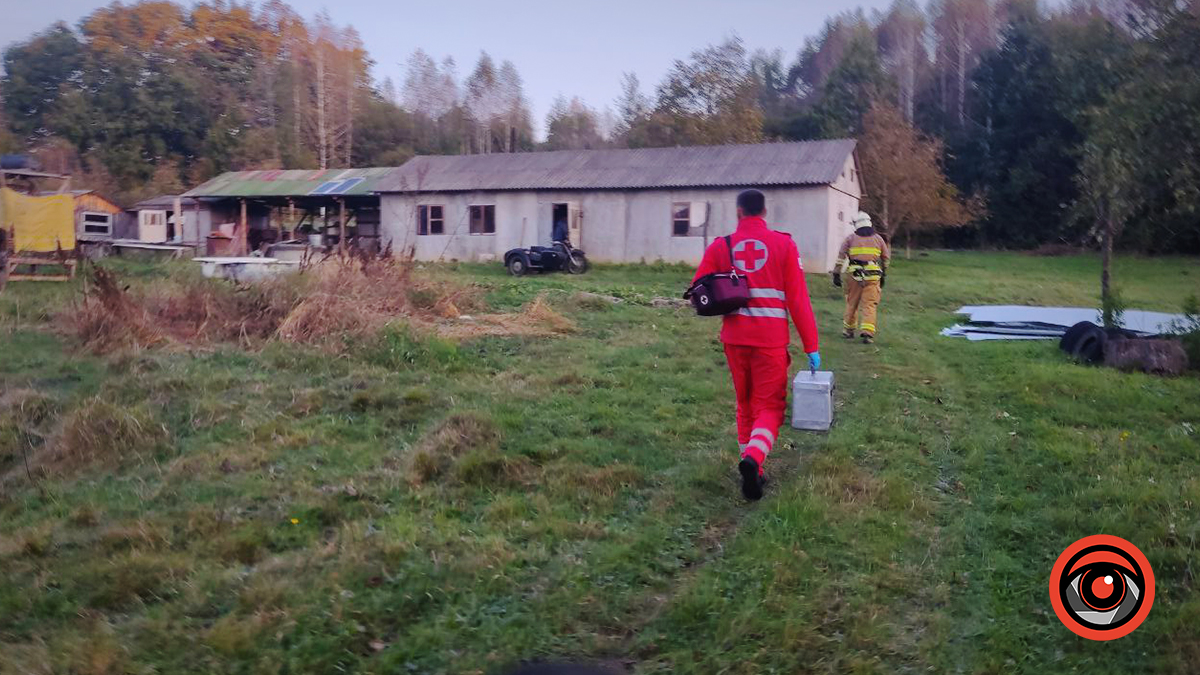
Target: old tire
(1071,337)
(1089,347)
(517,266)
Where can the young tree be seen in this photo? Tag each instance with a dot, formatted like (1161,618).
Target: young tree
(572,126)
(708,99)
(823,54)
(905,186)
(484,102)
(776,91)
(1105,182)
(515,121)
(36,73)
(851,89)
(633,111)
(421,83)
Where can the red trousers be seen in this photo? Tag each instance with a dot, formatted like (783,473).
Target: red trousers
(760,377)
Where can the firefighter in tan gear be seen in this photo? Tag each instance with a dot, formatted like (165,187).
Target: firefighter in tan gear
(864,256)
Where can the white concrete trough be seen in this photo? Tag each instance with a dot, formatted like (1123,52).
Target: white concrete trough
(245,269)
(812,400)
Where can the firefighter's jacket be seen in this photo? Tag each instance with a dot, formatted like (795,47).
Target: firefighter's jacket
(864,255)
(770,261)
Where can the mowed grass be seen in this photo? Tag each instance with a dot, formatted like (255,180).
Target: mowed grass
(424,506)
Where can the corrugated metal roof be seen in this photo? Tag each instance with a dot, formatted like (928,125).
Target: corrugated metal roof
(801,163)
(292,183)
(162,202)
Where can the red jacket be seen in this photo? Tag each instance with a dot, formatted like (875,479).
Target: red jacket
(771,263)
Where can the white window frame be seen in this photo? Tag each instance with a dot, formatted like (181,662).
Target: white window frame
(675,220)
(83,224)
(697,216)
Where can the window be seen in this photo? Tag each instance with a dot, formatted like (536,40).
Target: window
(681,218)
(97,223)
(430,219)
(483,219)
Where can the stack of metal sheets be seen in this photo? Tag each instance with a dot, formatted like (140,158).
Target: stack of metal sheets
(1018,322)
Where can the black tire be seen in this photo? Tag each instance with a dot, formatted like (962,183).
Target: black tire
(517,266)
(1071,337)
(1089,348)
(577,263)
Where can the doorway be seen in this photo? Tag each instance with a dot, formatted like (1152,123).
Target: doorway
(565,215)
(559,226)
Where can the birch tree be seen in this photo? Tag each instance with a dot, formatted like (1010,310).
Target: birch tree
(962,30)
(901,38)
(906,188)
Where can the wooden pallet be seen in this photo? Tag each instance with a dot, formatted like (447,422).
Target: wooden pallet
(34,263)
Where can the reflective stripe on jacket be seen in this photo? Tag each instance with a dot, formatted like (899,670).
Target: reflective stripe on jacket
(770,262)
(864,255)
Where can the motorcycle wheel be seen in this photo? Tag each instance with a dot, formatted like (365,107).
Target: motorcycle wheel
(517,266)
(576,264)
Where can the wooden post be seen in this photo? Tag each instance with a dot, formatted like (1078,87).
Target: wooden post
(243,239)
(342,226)
(179,226)
(291,233)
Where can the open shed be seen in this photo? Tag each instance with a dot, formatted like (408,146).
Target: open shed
(327,207)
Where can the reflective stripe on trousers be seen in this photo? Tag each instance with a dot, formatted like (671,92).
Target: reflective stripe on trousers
(861,297)
(760,379)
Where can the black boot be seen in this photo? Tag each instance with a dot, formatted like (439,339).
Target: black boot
(752,480)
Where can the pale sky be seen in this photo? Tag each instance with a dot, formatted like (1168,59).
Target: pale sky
(577,48)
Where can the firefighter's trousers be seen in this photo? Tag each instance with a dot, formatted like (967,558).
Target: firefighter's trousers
(861,296)
(760,379)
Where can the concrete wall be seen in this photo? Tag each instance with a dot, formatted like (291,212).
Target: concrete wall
(618,225)
(844,197)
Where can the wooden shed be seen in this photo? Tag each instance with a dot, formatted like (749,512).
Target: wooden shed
(96,217)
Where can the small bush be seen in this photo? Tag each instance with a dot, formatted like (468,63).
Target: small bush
(585,484)
(400,348)
(1188,330)
(1112,308)
(24,416)
(488,468)
(103,432)
(456,436)
(136,576)
(375,398)
(37,543)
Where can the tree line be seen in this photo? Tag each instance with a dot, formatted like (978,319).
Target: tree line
(1025,124)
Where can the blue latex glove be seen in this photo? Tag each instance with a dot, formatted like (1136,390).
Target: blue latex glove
(814,360)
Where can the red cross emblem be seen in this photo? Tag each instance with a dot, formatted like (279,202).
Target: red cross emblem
(750,255)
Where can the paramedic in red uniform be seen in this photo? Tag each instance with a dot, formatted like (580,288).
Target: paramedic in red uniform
(756,337)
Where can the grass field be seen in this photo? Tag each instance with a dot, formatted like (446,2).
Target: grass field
(415,505)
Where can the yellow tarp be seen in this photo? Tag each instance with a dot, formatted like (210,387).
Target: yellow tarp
(39,224)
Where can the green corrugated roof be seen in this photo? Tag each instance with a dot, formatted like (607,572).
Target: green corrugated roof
(292,183)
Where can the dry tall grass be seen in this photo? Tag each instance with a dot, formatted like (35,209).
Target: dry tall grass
(331,303)
(328,303)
